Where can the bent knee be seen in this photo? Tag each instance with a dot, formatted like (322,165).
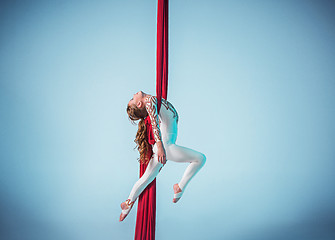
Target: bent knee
(202,159)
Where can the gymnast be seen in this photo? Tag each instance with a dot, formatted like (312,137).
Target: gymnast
(164,126)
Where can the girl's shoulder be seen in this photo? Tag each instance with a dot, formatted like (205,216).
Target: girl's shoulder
(153,99)
(149,99)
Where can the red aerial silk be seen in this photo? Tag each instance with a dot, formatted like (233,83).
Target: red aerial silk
(146,210)
(162,51)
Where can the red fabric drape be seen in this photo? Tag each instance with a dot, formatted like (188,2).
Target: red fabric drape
(146,210)
(162,51)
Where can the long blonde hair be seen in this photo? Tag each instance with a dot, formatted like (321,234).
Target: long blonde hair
(141,139)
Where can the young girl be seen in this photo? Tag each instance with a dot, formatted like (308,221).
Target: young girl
(164,126)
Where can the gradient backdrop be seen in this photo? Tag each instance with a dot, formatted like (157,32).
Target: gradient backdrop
(253,83)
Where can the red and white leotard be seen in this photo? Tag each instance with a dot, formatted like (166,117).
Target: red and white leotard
(164,124)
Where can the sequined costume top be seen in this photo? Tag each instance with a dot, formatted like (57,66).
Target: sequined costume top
(164,124)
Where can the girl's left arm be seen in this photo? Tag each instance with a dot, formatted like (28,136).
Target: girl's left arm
(151,107)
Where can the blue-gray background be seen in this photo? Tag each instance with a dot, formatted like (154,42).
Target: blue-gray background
(253,82)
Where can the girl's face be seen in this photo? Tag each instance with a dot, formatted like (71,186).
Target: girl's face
(136,99)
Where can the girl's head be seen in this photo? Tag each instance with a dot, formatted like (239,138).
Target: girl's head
(136,107)
(136,111)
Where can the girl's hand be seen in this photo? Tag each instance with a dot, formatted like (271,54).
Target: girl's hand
(161,153)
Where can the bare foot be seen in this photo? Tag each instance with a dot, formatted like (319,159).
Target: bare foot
(176,190)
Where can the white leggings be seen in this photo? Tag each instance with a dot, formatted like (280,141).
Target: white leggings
(174,153)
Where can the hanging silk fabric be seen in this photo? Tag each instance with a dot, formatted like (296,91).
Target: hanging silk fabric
(146,210)
(162,51)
